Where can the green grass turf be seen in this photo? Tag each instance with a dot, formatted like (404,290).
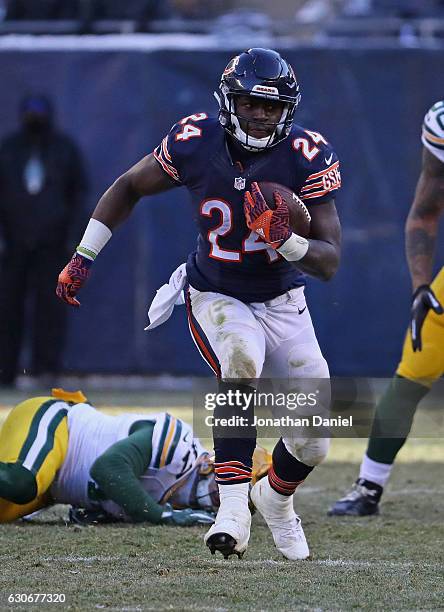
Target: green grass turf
(391,562)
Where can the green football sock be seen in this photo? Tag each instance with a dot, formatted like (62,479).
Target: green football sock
(17,484)
(393,418)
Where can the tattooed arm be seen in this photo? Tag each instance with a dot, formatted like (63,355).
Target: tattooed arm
(420,237)
(422,222)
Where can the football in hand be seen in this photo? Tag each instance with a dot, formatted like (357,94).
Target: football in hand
(299,215)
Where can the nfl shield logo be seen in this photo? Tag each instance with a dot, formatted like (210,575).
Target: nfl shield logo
(239,183)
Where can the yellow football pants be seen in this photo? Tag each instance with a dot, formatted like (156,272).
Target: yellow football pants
(427,365)
(34,435)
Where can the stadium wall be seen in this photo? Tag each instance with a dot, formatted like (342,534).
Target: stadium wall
(119,102)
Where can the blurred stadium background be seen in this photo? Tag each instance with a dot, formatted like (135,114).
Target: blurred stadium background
(121,74)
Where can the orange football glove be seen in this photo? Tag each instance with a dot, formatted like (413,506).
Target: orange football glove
(273,225)
(72,278)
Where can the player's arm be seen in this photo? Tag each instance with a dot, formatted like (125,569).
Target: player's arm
(144,179)
(323,248)
(117,472)
(423,220)
(420,239)
(319,255)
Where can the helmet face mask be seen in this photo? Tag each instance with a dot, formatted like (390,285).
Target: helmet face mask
(260,74)
(244,126)
(207,493)
(198,488)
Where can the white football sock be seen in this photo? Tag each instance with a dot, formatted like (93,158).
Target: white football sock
(375,471)
(234,495)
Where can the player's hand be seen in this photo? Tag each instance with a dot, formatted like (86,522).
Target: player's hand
(186,517)
(423,300)
(72,278)
(271,225)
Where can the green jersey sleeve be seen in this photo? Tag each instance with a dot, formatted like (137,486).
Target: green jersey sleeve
(117,472)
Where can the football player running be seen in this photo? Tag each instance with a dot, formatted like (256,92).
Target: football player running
(132,467)
(244,289)
(422,361)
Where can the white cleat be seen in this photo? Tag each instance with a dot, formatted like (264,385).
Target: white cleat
(285,525)
(230,532)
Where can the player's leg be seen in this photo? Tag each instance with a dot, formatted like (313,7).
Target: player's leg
(33,445)
(231,341)
(227,335)
(394,414)
(293,353)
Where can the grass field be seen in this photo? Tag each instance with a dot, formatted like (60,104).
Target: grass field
(391,562)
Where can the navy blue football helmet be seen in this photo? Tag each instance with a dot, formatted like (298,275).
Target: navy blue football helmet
(260,73)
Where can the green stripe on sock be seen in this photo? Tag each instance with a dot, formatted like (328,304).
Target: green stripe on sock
(49,444)
(156,463)
(174,443)
(86,252)
(32,434)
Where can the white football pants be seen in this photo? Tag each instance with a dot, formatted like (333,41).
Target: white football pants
(273,339)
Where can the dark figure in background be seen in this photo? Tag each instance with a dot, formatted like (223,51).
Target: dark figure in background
(42,189)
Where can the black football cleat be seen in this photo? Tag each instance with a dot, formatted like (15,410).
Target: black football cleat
(361,500)
(84,518)
(225,544)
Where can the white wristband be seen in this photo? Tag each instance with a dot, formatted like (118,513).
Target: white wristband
(294,249)
(94,239)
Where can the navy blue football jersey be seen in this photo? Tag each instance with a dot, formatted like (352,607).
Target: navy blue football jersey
(230,258)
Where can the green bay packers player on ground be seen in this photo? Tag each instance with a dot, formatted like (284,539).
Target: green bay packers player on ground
(60,449)
(422,361)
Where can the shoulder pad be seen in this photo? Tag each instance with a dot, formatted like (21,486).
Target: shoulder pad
(318,164)
(181,143)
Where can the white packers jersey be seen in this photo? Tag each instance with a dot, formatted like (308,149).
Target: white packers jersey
(433,130)
(91,433)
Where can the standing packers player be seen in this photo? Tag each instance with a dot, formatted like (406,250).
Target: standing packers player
(422,361)
(133,467)
(244,288)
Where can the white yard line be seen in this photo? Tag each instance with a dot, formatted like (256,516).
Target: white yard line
(71,559)
(307,490)
(340,563)
(408,491)
(379,563)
